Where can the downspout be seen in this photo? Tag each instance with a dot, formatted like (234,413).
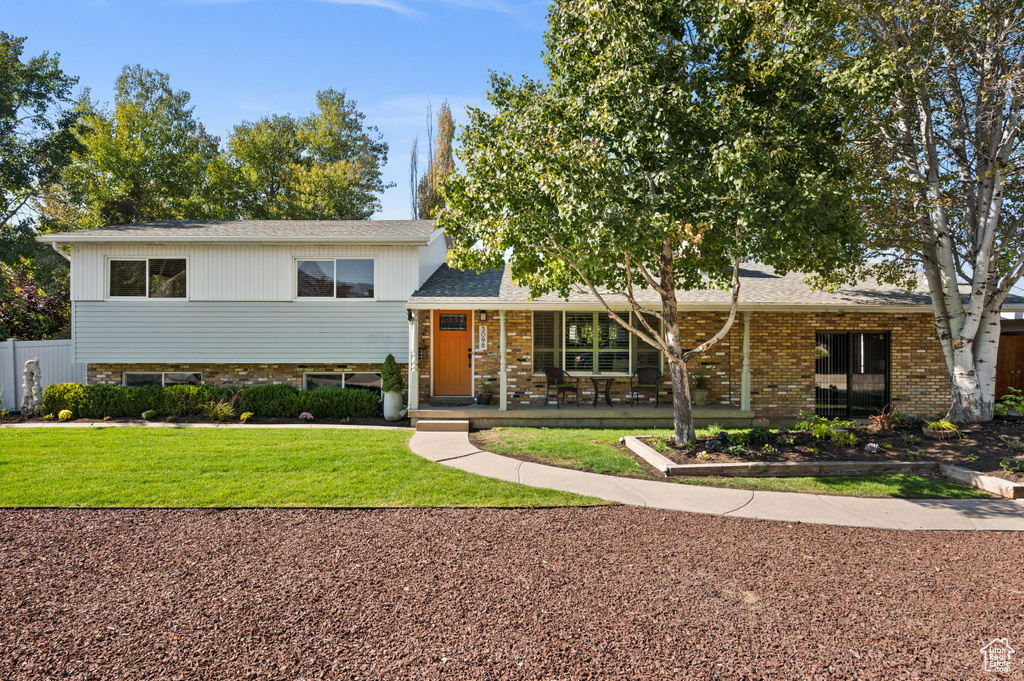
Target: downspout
(64,254)
(503,376)
(745,376)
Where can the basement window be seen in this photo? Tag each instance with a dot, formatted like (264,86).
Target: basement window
(162,379)
(359,380)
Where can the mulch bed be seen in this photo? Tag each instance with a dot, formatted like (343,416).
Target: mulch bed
(592,593)
(980,440)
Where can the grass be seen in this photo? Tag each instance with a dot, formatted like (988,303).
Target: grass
(240,467)
(593,450)
(898,486)
(584,449)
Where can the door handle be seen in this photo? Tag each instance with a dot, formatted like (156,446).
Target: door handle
(469,358)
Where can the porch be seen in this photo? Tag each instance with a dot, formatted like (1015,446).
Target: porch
(584,416)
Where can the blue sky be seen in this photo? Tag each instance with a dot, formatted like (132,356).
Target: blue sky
(244,59)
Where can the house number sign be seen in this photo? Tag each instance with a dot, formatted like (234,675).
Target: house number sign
(482,341)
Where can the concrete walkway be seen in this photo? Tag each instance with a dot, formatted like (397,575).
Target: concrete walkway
(454,449)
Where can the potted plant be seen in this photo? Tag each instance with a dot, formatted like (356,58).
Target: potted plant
(486,392)
(701,386)
(392,385)
(941,430)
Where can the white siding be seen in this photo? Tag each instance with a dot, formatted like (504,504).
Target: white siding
(432,257)
(248,273)
(55,364)
(328,331)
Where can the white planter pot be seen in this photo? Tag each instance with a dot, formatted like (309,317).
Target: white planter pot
(700,397)
(392,406)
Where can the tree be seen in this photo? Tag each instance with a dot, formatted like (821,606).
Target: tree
(671,143)
(145,160)
(38,135)
(325,166)
(943,82)
(440,165)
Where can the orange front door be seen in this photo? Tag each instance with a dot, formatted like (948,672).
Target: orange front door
(453,350)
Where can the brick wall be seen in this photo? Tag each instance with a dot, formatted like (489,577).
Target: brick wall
(232,374)
(781,360)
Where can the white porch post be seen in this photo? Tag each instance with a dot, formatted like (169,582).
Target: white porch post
(503,376)
(414,360)
(745,376)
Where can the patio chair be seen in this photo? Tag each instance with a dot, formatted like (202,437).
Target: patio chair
(561,383)
(644,379)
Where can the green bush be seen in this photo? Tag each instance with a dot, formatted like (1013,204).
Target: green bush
(60,396)
(187,400)
(391,376)
(270,401)
(116,401)
(341,403)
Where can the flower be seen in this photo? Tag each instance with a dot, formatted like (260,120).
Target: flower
(305,416)
(244,418)
(106,418)
(65,415)
(871,447)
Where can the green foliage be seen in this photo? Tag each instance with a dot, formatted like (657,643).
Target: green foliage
(341,403)
(846,439)
(1012,465)
(999,409)
(440,165)
(391,376)
(943,425)
(1014,399)
(118,402)
(736,450)
(149,415)
(217,411)
(739,437)
(246,416)
(60,396)
(188,400)
(271,401)
(759,434)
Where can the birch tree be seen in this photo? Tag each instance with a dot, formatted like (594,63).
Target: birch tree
(672,142)
(945,79)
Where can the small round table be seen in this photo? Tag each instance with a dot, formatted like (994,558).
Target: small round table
(596,380)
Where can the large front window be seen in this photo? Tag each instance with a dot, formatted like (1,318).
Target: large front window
(342,278)
(590,343)
(851,372)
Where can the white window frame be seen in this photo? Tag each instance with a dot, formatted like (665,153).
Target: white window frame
(325,258)
(146,259)
(163,376)
(633,340)
(340,373)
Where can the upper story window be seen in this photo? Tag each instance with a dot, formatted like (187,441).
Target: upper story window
(148,278)
(341,278)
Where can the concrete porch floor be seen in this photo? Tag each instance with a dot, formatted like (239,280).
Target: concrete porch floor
(584,416)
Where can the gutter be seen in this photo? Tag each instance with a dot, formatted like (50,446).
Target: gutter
(264,241)
(63,253)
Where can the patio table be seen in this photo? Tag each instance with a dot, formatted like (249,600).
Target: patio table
(596,380)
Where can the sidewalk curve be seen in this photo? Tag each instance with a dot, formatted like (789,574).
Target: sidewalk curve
(454,449)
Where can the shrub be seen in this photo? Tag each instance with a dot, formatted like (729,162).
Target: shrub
(98,401)
(759,434)
(149,415)
(60,396)
(1013,465)
(391,376)
(846,439)
(885,419)
(944,426)
(341,403)
(1014,399)
(65,415)
(188,400)
(244,418)
(217,411)
(739,437)
(271,401)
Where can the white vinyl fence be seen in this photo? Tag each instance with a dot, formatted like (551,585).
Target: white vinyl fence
(54,363)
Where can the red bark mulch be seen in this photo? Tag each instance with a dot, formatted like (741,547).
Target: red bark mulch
(592,593)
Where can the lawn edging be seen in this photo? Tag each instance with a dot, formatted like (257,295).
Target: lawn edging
(760,469)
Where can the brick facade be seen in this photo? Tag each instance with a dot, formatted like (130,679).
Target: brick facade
(232,374)
(781,360)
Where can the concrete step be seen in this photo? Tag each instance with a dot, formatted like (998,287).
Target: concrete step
(436,426)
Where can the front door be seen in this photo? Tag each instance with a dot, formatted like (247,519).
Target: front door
(1009,365)
(453,353)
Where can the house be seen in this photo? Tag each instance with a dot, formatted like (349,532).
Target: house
(308,303)
(314,303)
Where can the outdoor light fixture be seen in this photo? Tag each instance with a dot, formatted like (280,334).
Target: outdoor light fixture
(483,315)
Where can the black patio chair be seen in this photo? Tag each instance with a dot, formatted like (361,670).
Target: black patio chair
(561,383)
(644,379)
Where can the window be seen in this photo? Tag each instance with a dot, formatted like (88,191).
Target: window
(342,278)
(851,374)
(137,379)
(359,381)
(149,278)
(589,343)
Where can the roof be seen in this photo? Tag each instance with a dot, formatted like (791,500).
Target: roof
(398,232)
(760,288)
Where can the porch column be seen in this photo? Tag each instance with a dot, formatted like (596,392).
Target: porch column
(745,376)
(503,376)
(414,360)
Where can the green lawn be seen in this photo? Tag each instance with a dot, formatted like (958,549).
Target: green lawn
(593,450)
(240,467)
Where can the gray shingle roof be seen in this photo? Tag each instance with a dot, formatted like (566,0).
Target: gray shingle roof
(266,231)
(759,286)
